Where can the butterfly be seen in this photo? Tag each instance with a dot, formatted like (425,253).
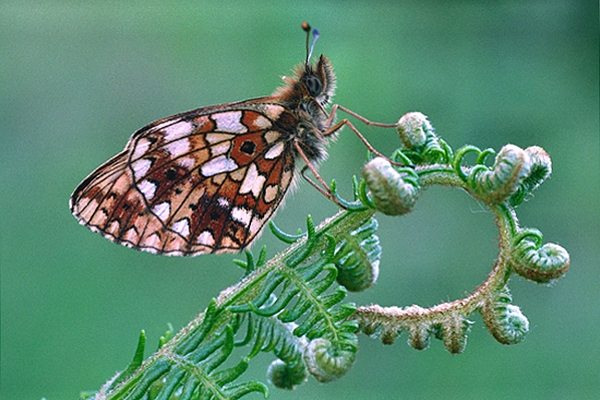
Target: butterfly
(209,179)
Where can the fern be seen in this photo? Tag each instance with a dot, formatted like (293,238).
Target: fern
(294,305)
(188,366)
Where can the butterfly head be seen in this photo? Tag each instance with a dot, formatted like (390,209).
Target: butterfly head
(317,82)
(313,85)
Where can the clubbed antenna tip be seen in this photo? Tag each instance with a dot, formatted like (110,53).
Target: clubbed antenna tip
(315,33)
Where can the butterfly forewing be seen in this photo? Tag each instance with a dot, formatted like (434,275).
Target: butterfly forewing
(198,182)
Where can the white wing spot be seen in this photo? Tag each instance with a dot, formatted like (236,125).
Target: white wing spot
(218,165)
(182,227)
(113,227)
(242,215)
(262,122)
(178,130)
(162,125)
(140,167)
(131,235)
(273,111)
(220,148)
(219,179)
(186,162)
(162,210)
(147,188)
(253,182)
(218,137)
(223,202)
(229,121)
(286,177)
(272,136)
(148,249)
(271,193)
(238,174)
(141,148)
(257,224)
(81,208)
(275,151)
(206,238)
(178,147)
(152,241)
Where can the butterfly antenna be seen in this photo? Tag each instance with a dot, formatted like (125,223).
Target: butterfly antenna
(315,33)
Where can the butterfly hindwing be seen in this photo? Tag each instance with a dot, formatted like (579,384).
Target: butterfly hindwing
(198,182)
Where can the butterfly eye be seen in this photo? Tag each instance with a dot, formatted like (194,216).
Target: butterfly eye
(313,84)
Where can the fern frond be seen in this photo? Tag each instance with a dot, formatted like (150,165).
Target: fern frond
(302,278)
(294,307)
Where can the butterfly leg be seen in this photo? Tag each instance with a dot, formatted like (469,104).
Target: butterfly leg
(345,121)
(323,188)
(358,116)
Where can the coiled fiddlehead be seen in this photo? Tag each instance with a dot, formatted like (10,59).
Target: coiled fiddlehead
(514,174)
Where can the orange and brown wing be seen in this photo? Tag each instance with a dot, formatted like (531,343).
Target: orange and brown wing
(205,181)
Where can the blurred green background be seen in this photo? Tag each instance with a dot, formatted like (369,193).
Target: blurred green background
(77,78)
